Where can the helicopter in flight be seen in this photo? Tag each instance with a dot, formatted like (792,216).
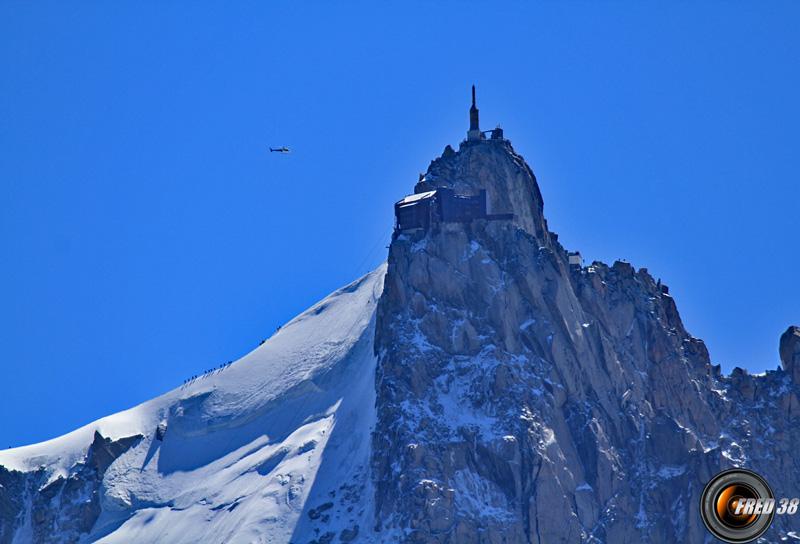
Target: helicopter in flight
(283,149)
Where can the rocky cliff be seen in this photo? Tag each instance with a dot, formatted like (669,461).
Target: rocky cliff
(521,399)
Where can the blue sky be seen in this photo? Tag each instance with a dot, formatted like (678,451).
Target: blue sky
(147,235)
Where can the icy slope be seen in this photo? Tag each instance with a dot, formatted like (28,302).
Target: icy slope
(260,451)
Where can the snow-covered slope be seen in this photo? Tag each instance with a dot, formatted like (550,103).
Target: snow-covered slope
(254,452)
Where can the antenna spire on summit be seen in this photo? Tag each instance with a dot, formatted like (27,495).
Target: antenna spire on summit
(474,132)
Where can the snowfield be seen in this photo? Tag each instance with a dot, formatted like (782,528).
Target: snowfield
(254,452)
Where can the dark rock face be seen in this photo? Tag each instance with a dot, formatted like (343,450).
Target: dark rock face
(12,490)
(520,400)
(61,509)
(790,352)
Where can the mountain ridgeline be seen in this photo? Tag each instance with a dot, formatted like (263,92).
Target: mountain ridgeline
(483,386)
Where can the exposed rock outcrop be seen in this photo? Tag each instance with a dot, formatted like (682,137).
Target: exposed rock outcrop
(42,508)
(520,400)
(790,352)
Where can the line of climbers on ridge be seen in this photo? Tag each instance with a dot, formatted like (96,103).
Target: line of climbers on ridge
(207,373)
(219,368)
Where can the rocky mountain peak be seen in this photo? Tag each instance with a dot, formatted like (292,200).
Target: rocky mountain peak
(522,397)
(790,352)
(493,165)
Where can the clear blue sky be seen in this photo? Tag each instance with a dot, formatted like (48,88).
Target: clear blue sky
(147,234)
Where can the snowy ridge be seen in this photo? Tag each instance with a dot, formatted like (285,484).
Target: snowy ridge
(243,446)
